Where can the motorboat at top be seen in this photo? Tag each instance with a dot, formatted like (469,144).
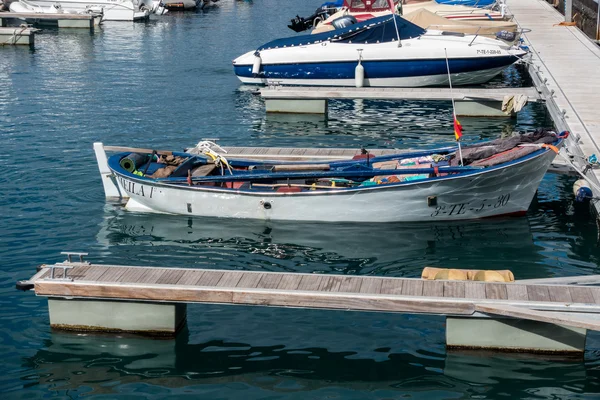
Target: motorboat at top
(505,30)
(469,3)
(495,12)
(185,5)
(112,10)
(390,51)
(493,178)
(362,10)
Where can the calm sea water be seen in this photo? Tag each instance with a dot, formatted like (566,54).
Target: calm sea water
(167,84)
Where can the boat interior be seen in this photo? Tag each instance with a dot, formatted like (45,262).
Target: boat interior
(211,169)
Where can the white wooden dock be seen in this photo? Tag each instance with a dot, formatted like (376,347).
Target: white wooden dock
(60,20)
(541,317)
(468,101)
(565,67)
(17,36)
(376,93)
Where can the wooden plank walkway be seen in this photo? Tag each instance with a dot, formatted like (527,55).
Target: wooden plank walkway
(321,93)
(565,66)
(361,293)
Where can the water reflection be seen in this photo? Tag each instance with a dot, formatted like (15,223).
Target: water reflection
(377,123)
(98,364)
(378,249)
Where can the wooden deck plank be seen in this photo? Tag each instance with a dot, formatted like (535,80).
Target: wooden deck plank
(289,282)
(391,286)
(596,294)
(113,274)
(210,278)
(412,288)
(171,277)
(152,275)
(538,293)
(76,273)
(560,294)
(496,291)
(132,275)
(330,284)
(350,284)
(517,292)
(310,282)
(475,290)
(95,273)
(581,295)
(454,289)
(249,280)
(371,285)
(433,288)
(190,277)
(269,281)
(535,315)
(230,279)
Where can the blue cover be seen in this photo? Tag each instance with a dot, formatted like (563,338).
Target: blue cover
(468,3)
(336,3)
(380,29)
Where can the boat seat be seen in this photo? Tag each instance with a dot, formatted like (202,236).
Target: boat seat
(183,168)
(203,170)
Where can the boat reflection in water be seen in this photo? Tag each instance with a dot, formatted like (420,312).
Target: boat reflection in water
(377,249)
(102,364)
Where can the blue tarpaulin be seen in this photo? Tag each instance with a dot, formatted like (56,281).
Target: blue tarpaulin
(374,30)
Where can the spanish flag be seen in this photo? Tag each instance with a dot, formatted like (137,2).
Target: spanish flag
(457,129)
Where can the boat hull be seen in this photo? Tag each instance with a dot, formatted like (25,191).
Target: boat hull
(491,192)
(113,10)
(458,79)
(419,62)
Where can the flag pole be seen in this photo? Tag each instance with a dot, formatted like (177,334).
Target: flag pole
(391,4)
(453,107)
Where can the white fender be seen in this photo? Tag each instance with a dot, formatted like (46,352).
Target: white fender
(256,64)
(359,75)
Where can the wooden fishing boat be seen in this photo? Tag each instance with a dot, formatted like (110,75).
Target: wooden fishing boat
(493,178)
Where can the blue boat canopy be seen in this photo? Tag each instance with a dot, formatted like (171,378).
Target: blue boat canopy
(374,30)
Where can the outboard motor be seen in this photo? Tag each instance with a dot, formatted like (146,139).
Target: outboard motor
(300,24)
(344,22)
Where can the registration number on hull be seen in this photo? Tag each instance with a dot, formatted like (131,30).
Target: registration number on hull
(136,189)
(474,207)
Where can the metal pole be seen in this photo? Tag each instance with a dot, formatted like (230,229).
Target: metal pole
(598,20)
(453,107)
(568,10)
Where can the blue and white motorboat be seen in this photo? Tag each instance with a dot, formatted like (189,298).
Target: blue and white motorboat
(385,51)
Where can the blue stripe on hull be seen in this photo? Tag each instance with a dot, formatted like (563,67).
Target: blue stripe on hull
(374,69)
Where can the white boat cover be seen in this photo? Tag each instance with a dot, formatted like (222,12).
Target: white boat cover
(429,20)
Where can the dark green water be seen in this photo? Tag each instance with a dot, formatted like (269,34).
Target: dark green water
(169,83)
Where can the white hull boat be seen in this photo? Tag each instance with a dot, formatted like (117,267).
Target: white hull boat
(498,178)
(112,10)
(24,6)
(385,51)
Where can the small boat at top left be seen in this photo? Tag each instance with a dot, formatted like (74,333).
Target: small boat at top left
(111,10)
(25,7)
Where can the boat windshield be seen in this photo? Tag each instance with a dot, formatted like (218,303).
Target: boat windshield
(368,5)
(374,30)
